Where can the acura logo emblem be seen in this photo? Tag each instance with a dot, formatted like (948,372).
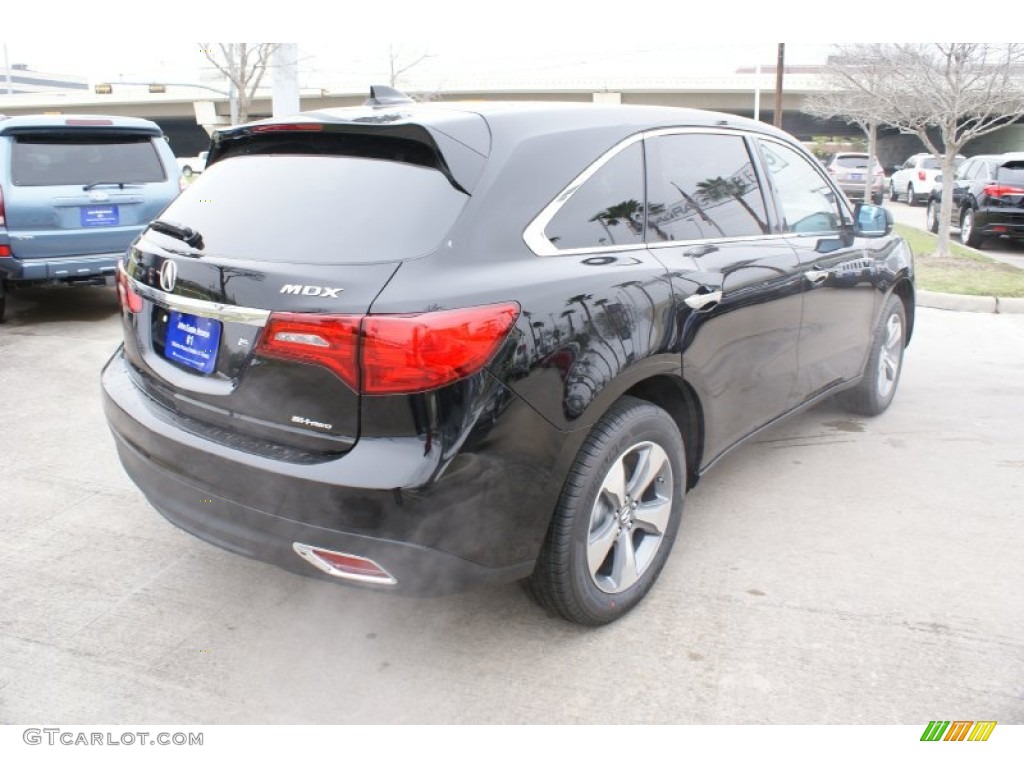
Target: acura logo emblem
(168,275)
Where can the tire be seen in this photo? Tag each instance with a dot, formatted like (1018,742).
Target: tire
(893,197)
(911,197)
(616,519)
(881,377)
(3,301)
(931,217)
(969,234)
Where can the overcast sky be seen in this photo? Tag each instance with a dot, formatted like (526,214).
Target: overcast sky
(347,43)
(325,65)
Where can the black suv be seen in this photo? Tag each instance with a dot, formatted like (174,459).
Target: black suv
(988,199)
(424,346)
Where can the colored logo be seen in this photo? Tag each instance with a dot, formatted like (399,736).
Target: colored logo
(958,730)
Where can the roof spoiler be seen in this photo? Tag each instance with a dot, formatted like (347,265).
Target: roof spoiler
(383,96)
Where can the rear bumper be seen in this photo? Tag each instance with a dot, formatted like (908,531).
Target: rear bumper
(262,536)
(994,222)
(478,521)
(91,268)
(854,190)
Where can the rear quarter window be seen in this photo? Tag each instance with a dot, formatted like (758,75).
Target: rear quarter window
(54,160)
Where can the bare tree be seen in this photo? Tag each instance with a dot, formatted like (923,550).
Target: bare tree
(398,67)
(955,91)
(244,65)
(856,107)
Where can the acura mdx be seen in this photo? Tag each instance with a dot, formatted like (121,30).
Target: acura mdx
(420,347)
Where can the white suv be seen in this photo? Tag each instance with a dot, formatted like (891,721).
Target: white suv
(916,177)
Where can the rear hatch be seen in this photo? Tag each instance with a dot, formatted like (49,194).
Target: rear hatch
(243,302)
(1006,194)
(82,190)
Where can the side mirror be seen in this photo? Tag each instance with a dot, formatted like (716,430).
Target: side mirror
(871,220)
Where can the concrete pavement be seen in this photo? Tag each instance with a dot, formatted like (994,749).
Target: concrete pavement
(836,570)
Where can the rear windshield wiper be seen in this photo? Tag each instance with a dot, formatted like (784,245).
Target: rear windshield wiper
(119,184)
(186,234)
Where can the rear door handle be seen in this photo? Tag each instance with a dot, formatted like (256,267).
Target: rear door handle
(815,275)
(703,300)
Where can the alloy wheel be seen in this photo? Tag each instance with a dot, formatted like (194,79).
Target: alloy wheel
(891,356)
(630,517)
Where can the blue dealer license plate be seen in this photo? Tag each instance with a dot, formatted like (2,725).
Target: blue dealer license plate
(100,216)
(192,341)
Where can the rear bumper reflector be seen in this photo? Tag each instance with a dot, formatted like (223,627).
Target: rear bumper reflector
(344,566)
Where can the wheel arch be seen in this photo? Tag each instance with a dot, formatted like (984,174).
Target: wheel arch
(904,289)
(680,401)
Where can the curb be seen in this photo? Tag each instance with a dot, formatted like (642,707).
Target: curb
(998,305)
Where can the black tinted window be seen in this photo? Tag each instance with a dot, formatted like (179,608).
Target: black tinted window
(607,210)
(48,160)
(318,209)
(702,186)
(807,201)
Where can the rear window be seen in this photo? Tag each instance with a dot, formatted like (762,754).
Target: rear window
(51,160)
(318,209)
(931,163)
(1012,172)
(852,161)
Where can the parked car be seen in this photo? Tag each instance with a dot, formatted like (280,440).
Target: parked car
(850,169)
(190,165)
(456,345)
(75,190)
(915,179)
(988,199)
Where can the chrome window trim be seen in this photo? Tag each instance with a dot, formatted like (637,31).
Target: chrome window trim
(537,242)
(224,312)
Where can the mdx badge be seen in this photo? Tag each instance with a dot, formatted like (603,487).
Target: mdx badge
(312,290)
(168,275)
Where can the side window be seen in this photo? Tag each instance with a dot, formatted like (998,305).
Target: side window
(702,186)
(965,170)
(807,201)
(607,210)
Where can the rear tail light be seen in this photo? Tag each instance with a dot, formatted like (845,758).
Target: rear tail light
(392,354)
(5,251)
(1001,190)
(129,299)
(922,176)
(344,566)
(328,340)
(287,127)
(3,213)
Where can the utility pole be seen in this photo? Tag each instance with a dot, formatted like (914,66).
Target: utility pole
(757,91)
(7,71)
(780,66)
